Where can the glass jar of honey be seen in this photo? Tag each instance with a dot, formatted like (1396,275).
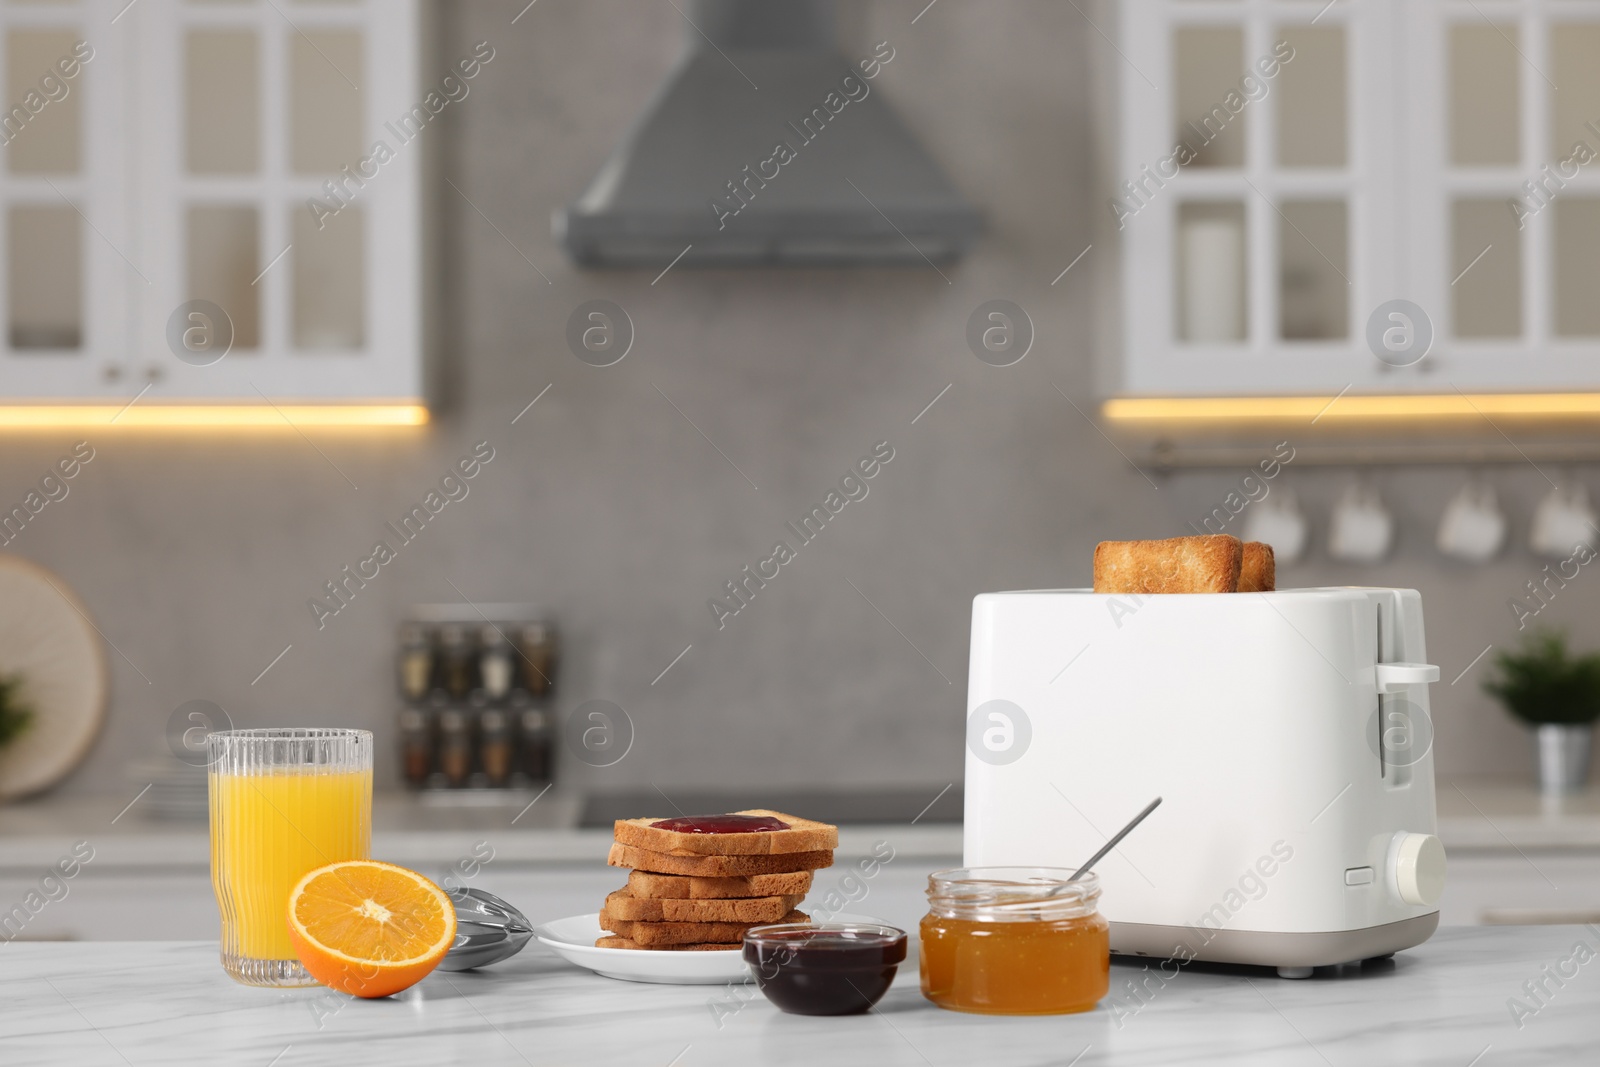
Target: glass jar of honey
(1014,941)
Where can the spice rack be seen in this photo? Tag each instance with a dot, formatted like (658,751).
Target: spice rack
(477,685)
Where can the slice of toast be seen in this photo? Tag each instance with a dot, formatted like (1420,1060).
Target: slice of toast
(649,935)
(624,905)
(646,885)
(1258,568)
(1207,564)
(803,835)
(622,942)
(643,859)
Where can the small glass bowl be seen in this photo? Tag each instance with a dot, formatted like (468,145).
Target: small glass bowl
(824,968)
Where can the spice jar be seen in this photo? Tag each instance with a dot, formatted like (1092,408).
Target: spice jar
(1015,941)
(455,746)
(538,657)
(495,662)
(494,745)
(536,741)
(455,660)
(416,747)
(416,660)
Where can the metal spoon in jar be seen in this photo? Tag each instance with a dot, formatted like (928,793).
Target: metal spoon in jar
(1031,902)
(1116,839)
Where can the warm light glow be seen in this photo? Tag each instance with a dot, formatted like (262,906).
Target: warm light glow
(259,416)
(1349,407)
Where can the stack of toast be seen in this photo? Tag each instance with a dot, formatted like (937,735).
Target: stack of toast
(700,891)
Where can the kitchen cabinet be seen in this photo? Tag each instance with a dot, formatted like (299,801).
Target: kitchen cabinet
(1531,887)
(1282,171)
(150,879)
(217,201)
(119,904)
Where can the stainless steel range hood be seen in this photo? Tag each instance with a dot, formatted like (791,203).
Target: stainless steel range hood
(767,146)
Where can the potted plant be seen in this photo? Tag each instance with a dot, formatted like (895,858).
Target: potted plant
(1558,695)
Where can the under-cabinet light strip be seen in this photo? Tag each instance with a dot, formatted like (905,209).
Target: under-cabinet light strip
(1348,408)
(254,416)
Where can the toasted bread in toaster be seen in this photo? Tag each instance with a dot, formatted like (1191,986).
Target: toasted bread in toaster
(622,942)
(624,905)
(649,935)
(645,885)
(1258,570)
(802,835)
(1205,564)
(644,859)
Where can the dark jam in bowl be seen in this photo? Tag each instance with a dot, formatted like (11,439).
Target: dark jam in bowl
(721,824)
(824,968)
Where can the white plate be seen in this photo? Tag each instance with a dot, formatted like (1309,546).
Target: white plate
(573,939)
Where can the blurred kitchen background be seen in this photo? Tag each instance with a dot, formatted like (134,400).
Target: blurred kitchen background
(626,496)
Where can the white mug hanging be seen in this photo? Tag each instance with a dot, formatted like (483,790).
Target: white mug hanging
(1279,522)
(1562,521)
(1473,527)
(1361,528)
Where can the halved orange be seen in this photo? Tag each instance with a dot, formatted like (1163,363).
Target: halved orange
(369,929)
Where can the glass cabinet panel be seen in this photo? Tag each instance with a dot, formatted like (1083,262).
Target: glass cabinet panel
(1314,269)
(1312,98)
(329,279)
(224,257)
(1575,105)
(1485,96)
(1209,63)
(1577,267)
(222,88)
(1211,280)
(44,265)
(42,123)
(325,75)
(1486,265)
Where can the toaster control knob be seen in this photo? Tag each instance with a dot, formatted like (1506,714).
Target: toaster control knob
(1417,865)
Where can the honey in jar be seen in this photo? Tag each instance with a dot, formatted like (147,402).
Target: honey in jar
(1014,941)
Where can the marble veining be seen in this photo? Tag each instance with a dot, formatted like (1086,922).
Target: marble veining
(1444,1003)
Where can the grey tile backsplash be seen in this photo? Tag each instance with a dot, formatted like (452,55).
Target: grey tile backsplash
(608,503)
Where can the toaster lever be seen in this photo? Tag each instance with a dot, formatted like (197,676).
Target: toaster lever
(1393,677)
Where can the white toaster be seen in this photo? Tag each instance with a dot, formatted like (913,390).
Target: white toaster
(1287,732)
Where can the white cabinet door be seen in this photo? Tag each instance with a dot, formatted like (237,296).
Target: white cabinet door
(1285,170)
(68,270)
(225,205)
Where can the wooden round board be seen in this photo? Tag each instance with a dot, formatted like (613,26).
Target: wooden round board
(47,639)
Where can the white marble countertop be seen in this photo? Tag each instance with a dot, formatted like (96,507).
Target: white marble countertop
(1444,1003)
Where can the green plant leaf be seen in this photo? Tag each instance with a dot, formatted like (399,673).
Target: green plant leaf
(1541,682)
(16,714)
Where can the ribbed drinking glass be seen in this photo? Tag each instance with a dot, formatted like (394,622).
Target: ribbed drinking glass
(283,802)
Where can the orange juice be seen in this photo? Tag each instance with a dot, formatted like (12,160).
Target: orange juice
(267,830)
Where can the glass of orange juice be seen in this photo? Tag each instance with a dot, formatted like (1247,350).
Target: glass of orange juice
(283,802)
